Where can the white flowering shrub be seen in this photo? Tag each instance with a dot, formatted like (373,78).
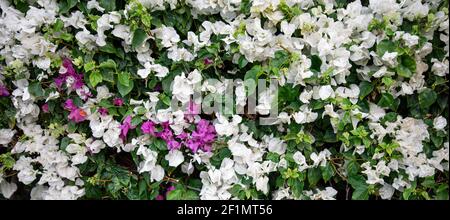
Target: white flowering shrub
(87,92)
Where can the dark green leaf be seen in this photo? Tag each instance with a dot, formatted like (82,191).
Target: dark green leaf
(139,37)
(385,46)
(365,88)
(108,5)
(35,89)
(426,98)
(387,100)
(314,175)
(66,5)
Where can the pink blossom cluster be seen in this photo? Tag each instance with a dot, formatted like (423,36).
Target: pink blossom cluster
(201,138)
(75,81)
(76,114)
(70,75)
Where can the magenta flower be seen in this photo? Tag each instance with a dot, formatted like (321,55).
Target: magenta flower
(69,105)
(118,101)
(103,111)
(3,91)
(193,145)
(125,127)
(148,127)
(192,110)
(166,134)
(44,107)
(202,137)
(173,144)
(207,61)
(183,136)
(75,78)
(77,115)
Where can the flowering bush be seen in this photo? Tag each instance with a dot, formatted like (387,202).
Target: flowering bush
(130,99)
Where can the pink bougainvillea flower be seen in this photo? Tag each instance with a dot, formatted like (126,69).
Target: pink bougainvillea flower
(84,93)
(3,91)
(77,115)
(70,76)
(148,127)
(69,105)
(183,136)
(125,127)
(118,101)
(192,110)
(166,134)
(44,107)
(103,111)
(193,145)
(207,61)
(173,144)
(202,137)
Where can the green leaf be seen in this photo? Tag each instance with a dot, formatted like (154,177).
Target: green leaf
(242,62)
(89,66)
(66,37)
(365,88)
(93,192)
(146,19)
(124,90)
(316,62)
(111,64)
(297,187)
(327,172)
(387,80)
(59,24)
(108,5)
(360,194)
(251,78)
(190,195)
(35,89)
(387,100)
(124,78)
(143,190)
(357,181)
(442,192)
(139,37)
(407,193)
(160,145)
(95,78)
(314,176)
(437,141)
(108,48)
(281,58)
(66,5)
(352,167)
(426,98)
(182,194)
(385,46)
(408,62)
(360,187)
(404,71)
